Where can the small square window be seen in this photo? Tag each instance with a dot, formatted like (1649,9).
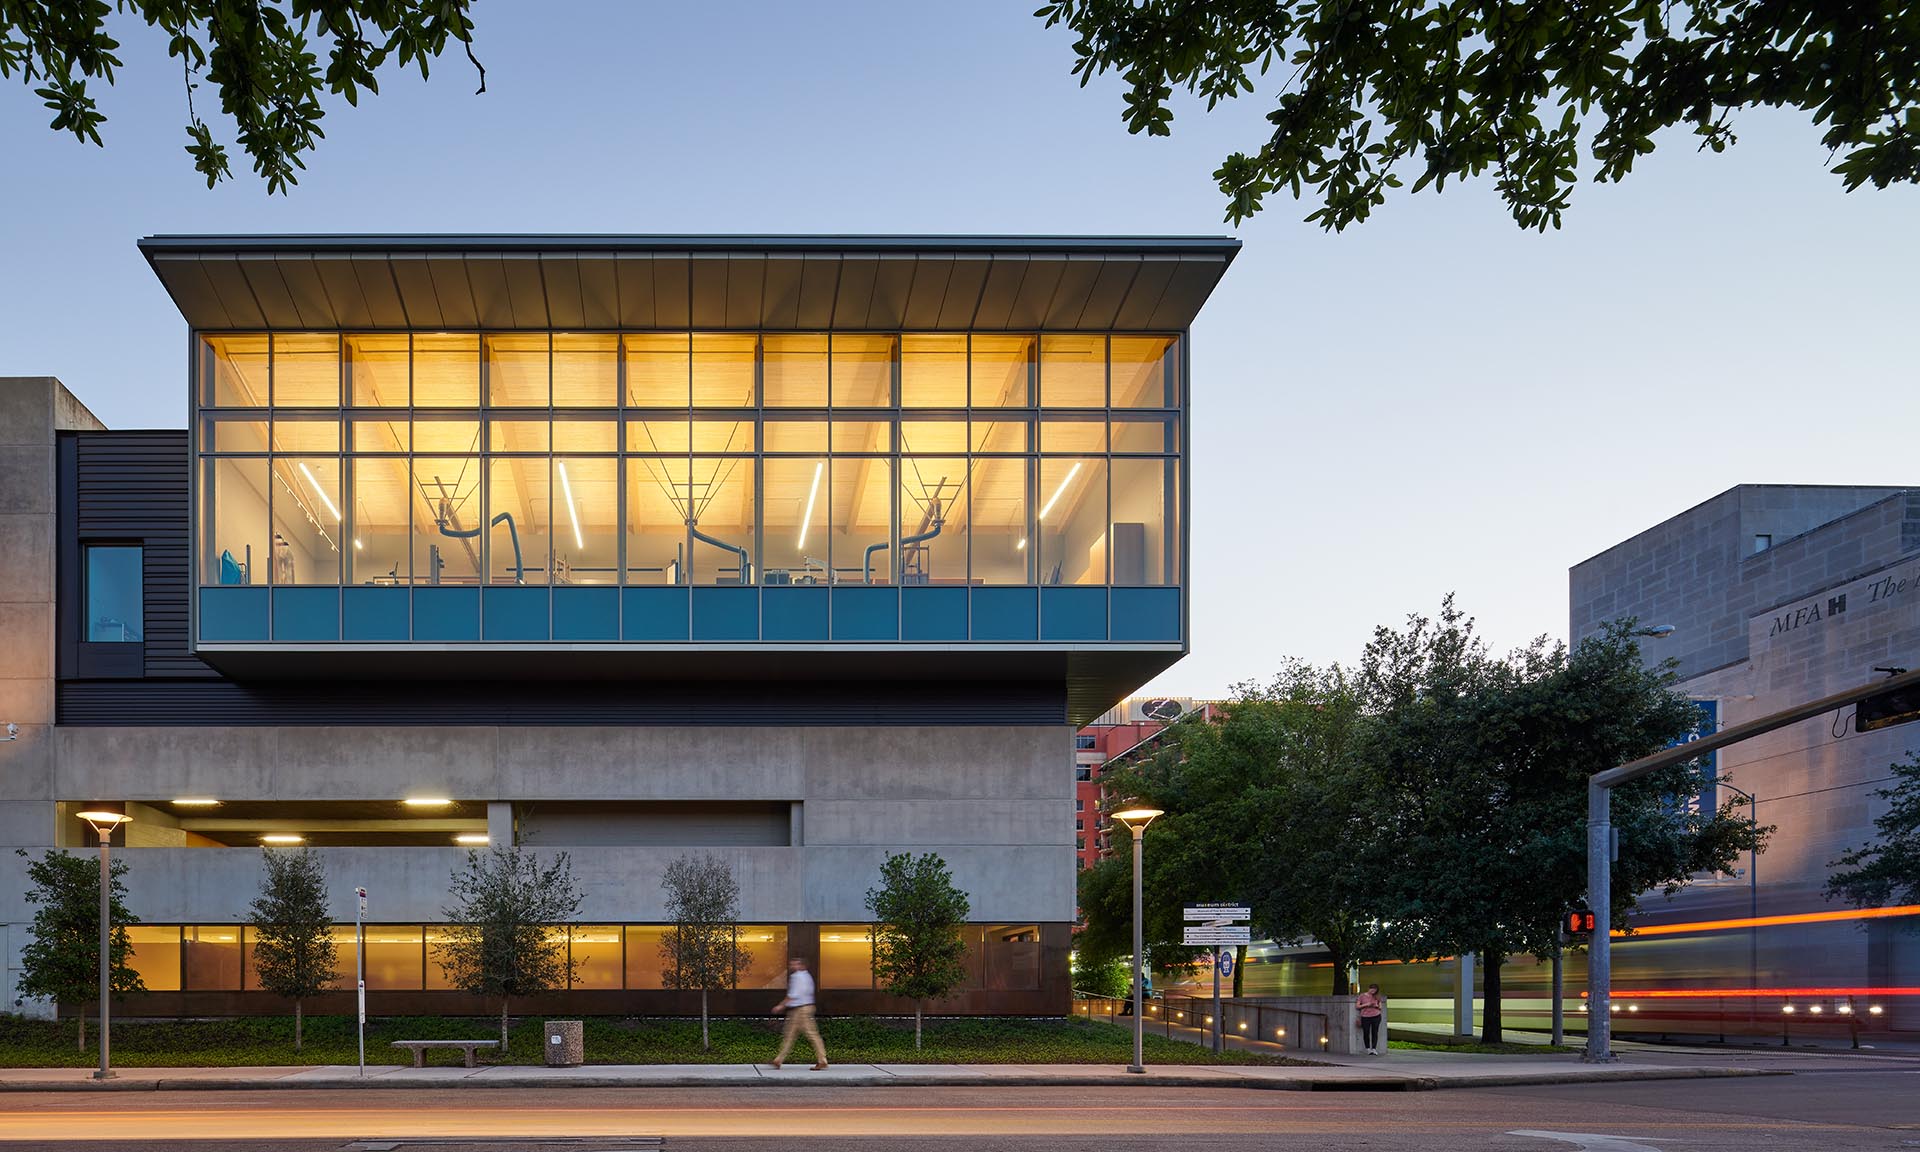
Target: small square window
(1762,541)
(113,594)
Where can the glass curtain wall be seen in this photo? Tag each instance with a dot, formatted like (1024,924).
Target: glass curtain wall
(686,457)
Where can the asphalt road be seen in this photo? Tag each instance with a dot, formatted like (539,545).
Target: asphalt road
(1839,1108)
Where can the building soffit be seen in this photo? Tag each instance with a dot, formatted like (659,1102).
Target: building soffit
(881,283)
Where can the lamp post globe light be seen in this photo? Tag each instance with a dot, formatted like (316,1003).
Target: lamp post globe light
(104,821)
(1136,817)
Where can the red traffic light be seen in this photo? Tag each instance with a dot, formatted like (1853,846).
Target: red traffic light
(1578,922)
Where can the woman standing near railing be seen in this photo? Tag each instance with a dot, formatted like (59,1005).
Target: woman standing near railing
(1373,1008)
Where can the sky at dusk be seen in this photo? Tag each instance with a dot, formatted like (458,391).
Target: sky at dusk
(1433,401)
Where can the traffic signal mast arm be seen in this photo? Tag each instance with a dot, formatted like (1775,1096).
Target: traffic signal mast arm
(1600,827)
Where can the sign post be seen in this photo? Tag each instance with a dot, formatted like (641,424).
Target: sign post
(360,969)
(1216,929)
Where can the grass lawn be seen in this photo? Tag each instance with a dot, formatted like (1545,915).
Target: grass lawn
(1485,1049)
(609,1040)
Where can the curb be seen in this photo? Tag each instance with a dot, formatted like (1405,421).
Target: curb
(1163,1080)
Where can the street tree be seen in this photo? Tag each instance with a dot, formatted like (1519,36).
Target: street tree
(702,949)
(293,949)
(1269,803)
(261,60)
(1368,94)
(499,941)
(61,958)
(1886,871)
(1483,764)
(918,951)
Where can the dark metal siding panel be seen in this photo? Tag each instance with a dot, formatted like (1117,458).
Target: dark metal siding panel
(672,291)
(349,301)
(379,278)
(132,486)
(927,292)
(419,300)
(709,292)
(181,703)
(891,280)
(746,286)
(1192,280)
(1143,298)
(819,287)
(308,293)
(996,298)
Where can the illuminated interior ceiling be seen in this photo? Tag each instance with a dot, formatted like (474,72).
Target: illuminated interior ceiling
(929,283)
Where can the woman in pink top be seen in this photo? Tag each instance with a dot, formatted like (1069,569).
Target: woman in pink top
(1373,1008)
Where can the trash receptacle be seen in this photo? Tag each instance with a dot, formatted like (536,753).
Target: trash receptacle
(566,1044)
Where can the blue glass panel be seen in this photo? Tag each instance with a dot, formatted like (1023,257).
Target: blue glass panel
(233,614)
(306,614)
(115,589)
(726,613)
(1073,614)
(372,615)
(933,614)
(446,613)
(1143,614)
(586,614)
(794,614)
(1006,613)
(515,613)
(864,613)
(653,614)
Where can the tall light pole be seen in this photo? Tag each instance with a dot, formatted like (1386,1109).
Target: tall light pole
(360,971)
(104,821)
(1136,818)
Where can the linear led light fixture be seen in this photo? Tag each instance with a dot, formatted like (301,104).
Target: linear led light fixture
(566,486)
(1055,498)
(806,521)
(283,838)
(322,492)
(426,801)
(473,839)
(196,802)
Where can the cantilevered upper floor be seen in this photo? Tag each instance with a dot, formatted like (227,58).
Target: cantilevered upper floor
(604,445)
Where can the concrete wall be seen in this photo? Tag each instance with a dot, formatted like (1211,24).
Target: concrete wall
(32,410)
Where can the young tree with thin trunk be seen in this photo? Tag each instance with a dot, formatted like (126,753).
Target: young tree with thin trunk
(61,961)
(293,950)
(499,941)
(702,949)
(918,951)
(1886,871)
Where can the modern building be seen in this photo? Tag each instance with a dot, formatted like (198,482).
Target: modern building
(1778,594)
(1128,726)
(798,551)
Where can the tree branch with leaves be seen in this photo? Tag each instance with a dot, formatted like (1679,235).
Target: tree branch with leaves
(260,57)
(918,951)
(293,949)
(1374,92)
(702,949)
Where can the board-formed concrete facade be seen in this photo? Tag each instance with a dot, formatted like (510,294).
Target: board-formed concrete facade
(1778,595)
(800,759)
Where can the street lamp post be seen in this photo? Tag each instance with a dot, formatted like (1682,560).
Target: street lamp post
(1136,818)
(104,821)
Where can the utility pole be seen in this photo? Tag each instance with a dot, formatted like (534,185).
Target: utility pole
(360,969)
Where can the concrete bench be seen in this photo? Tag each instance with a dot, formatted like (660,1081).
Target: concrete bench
(466,1047)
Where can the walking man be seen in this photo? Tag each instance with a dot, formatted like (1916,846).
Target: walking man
(799,1009)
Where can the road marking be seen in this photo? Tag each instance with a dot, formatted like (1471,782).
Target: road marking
(1588,1142)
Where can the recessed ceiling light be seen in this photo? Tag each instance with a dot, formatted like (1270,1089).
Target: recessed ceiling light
(472,838)
(426,801)
(196,802)
(283,838)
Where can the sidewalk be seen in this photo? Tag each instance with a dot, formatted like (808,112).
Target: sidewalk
(1402,1071)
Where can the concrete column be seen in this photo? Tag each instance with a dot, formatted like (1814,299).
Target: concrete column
(500,823)
(1463,995)
(796,826)
(33,409)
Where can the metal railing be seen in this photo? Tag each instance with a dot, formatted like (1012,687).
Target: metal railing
(1283,1027)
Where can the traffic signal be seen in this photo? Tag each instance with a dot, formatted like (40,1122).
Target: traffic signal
(1578,922)
(1887,709)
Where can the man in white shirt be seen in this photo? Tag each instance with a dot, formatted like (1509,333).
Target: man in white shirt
(799,1009)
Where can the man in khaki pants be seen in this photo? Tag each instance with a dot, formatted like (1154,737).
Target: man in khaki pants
(799,1009)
